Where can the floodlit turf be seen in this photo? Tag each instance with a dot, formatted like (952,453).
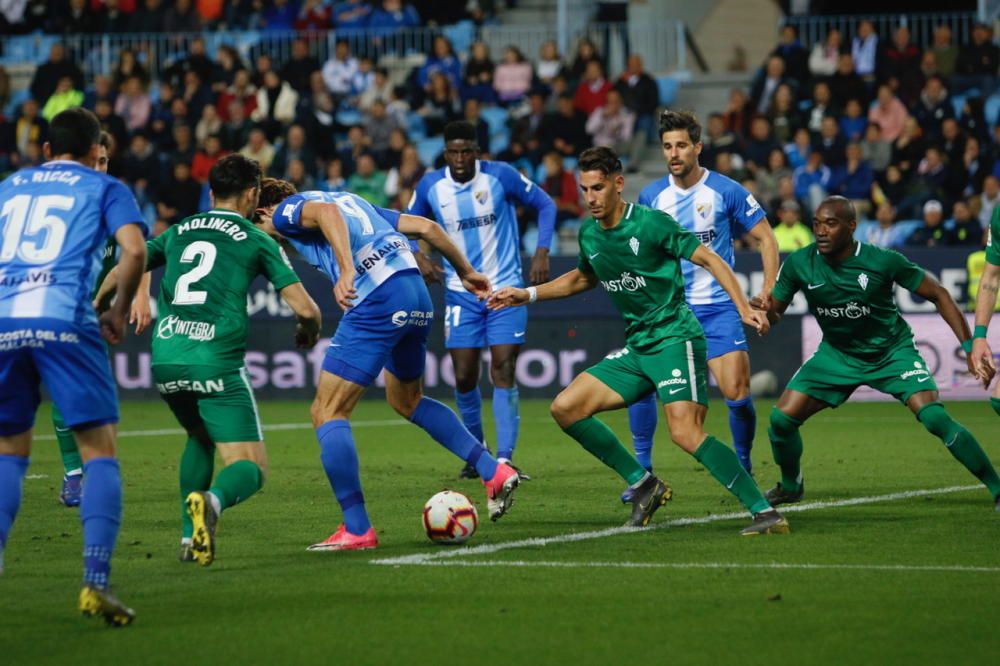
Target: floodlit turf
(267,600)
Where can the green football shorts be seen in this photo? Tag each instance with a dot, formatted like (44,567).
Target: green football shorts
(220,402)
(832,376)
(678,372)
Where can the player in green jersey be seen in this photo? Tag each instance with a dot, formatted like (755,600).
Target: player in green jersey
(849,288)
(199,342)
(72,485)
(634,252)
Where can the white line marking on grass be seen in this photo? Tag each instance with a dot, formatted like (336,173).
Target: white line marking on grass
(486,549)
(32,477)
(267,427)
(527,564)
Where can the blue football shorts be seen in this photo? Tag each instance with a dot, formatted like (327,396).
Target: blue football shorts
(388,330)
(723,328)
(70,359)
(469,325)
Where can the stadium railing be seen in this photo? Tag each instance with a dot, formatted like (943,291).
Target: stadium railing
(813,29)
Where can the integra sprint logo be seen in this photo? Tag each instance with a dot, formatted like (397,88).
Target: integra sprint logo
(171,325)
(626,283)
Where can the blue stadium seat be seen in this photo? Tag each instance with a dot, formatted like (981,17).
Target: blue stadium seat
(205,202)
(461,35)
(992,109)
(539,175)
(415,126)
(957,102)
(349,117)
(861,232)
(496,118)
(904,229)
(499,142)
(428,150)
(668,87)
(16,100)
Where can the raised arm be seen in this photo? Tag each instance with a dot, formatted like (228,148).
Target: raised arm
(721,271)
(310,320)
(567,284)
(327,218)
(428,230)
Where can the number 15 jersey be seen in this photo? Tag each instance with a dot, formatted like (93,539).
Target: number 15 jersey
(210,259)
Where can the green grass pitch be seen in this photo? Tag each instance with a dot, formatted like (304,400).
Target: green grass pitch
(885,585)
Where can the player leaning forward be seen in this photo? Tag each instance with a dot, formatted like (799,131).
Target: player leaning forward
(634,252)
(849,288)
(388,312)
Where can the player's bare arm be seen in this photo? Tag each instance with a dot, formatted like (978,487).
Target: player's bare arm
(415,226)
(932,290)
(131,265)
(141,313)
(764,235)
(986,299)
(327,218)
(310,320)
(721,271)
(540,266)
(567,284)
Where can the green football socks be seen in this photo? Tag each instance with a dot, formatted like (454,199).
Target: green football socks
(723,464)
(68,450)
(602,443)
(197,466)
(962,445)
(786,445)
(995,404)
(237,482)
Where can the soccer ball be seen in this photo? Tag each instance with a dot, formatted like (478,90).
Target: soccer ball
(450,517)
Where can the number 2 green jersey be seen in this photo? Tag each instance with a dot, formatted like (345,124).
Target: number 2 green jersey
(638,264)
(210,261)
(853,300)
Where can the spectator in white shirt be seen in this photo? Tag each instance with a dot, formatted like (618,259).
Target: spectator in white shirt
(340,70)
(864,50)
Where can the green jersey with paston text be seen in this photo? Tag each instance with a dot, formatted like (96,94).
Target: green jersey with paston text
(210,261)
(993,239)
(638,264)
(853,300)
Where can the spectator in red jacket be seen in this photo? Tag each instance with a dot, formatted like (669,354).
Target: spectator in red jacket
(560,184)
(592,93)
(206,158)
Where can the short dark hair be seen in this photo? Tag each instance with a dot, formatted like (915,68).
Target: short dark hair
(234,174)
(273,191)
(460,130)
(844,204)
(73,132)
(600,158)
(680,120)
(107,141)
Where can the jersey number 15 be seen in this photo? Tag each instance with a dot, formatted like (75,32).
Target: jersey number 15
(24,217)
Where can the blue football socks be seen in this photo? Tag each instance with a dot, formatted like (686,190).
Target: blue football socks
(12,471)
(443,426)
(340,462)
(642,422)
(508,421)
(101,515)
(743,425)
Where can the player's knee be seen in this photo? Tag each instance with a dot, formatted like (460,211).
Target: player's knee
(502,372)
(782,424)
(316,413)
(735,388)
(687,437)
(405,403)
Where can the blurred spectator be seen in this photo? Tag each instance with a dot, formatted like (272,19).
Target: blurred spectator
(443,60)
(952,140)
(933,175)
(278,16)
(560,184)
(351,14)
(592,92)
(196,94)
(262,66)
(334,180)
(786,192)
(908,148)
(977,62)
(149,17)
(793,54)
(965,229)
(766,180)
(852,123)
(441,106)
(933,107)
(566,128)
(380,90)
(352,149)
(512,77)
(798,151)
(181,17)
(161,118)
(763,89)
(790,232)
(899,56)
(339,71)
(30,127)
(133,104)
(969,171)
(478,80)
(141,167)
(206,158)
(259,148)
(228,65)
(294,147)
(812,181)
(113,20)
(179,198)
(846,84)
(641,97)
(913,80)
(241,90)
(235,132)
(391,17)
(831,144)
(586,53)
(208,125)
(854,180)
(884,234)
(759,144)
(945,52)
(126,67)
(393,155)
(864,50)
(716,139)
(826,54)
(196,61)
(611,124)
(48,74)
(210,11)
(889,113)
(737,112)
(874,150)
(300,67)
(368,182)
(822,106)
(988,200)
(378,126)
(932,233)
(297,175)
(314,15)
(276,102)
(101,90)
(550,63)
(183,147)
(784,115)
(730,165)
(406,175)
(64,97)
(972,119)
(473,115)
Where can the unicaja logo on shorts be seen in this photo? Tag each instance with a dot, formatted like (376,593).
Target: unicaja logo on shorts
(399,317)
(626,283)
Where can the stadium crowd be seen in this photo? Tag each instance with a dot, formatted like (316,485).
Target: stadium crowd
(899,129)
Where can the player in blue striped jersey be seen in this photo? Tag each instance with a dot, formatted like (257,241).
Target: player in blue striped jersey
(55,221)
(474,201)
(365,252)
(718,210)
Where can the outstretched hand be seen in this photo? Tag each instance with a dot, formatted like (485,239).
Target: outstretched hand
(757,320)
(507,297)
(478,284)
(981,363)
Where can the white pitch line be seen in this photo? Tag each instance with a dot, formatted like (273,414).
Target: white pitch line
(486,549)
(272,426)
(527,564)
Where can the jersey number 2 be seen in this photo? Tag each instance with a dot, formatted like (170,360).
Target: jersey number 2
(29,215)
(204,253)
